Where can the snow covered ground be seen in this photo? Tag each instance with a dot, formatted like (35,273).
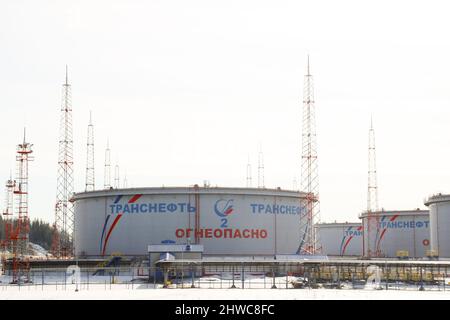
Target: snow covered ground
(37,250)
(212,288)
(144,292)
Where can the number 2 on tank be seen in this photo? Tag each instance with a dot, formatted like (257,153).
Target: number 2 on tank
(224,223)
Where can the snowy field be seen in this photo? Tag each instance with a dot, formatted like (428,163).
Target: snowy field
(209,288)
(141,292)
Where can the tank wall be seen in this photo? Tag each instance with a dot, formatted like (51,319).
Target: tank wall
(398,232)
(341,240)
(440,228)
(229,224)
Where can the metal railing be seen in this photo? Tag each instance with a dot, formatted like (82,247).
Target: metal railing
(225,277)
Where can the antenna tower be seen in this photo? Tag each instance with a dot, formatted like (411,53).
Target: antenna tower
(107,176)
(64,213)
(309,243)
(90,173)
(373,223)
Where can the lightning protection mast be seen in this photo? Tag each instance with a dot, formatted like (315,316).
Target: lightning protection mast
(64,212)
(90,165)
(373,223)
(107,173)
(8,213)
(116,177)
(20,222)
(249,174)
(125,181)
(310,213)
(260,168)
(22,229)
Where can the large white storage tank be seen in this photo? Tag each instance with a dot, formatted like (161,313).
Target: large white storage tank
(340,239)
(397,231)
(226,221)
(440,224)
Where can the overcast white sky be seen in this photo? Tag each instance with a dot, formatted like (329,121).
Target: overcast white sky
(186,90)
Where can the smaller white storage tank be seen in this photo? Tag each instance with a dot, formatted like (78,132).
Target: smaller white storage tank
(439,224)
(398,231)
(340,239)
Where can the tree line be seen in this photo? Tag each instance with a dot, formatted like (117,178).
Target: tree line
(41,232)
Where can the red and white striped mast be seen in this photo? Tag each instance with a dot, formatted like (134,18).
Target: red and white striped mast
(22,228)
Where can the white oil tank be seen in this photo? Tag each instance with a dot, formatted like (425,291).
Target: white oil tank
(340,239)
(397,233)
(439,224)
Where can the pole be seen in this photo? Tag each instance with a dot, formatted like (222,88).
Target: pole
(273,279)
(421,281)
(232,277)
(387,275)
(242,275)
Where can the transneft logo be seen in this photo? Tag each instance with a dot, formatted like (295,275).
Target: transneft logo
(103,244)
(349,234)
(391,223)
(158,207)
(276,209)
(353,233)
(404,224)
(223,208)
(379,236)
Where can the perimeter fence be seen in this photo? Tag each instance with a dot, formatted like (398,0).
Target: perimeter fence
(288,276)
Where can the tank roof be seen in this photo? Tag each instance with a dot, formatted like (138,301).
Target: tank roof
(397,212)
(337,224)
(189,190)
(437,198)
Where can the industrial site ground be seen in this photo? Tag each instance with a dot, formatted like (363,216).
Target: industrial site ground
(121,292)
(209,288)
